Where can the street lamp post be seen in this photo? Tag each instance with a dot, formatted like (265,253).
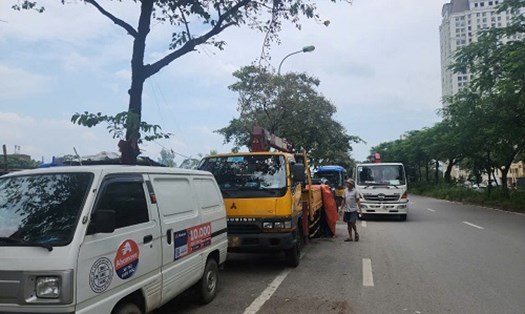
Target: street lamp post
(305,49)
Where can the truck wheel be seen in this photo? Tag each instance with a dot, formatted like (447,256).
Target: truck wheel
(403,217)
(127,308)
(293,255)
(208,284)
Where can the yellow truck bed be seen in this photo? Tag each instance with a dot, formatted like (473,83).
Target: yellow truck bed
(312,204)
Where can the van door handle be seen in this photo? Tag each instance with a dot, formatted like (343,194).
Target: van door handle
(168,235)
(148,238)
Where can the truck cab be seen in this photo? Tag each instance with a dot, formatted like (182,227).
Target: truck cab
(382,188)
(334,176)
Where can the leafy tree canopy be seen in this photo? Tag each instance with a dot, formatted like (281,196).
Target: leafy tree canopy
(16,162)
(490,111)
(289,107)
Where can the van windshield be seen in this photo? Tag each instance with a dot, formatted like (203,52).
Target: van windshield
(248,176)
(41,210)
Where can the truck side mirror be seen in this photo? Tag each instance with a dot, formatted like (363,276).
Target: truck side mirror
(102,221)
(298,173)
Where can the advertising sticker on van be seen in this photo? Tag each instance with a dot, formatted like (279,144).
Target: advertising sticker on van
(192,239)
(100,275)
(127,259)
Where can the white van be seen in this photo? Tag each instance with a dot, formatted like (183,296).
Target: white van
(108,239)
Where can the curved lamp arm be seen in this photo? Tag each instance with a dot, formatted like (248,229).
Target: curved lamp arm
(305,49)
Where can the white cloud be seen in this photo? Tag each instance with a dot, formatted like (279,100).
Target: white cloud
(41,137)
(18,83)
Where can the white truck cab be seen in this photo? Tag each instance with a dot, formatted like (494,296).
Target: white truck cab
(382,188)
(108,239)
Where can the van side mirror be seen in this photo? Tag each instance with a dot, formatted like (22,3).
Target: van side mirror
(102,221)
(298,173)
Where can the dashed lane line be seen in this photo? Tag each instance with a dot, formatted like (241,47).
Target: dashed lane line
(267,293)
(368,278)
(431,210)
(473,225)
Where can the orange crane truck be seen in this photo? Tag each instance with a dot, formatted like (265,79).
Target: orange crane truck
(271,202)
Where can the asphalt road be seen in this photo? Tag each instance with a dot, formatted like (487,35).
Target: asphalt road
(446,258)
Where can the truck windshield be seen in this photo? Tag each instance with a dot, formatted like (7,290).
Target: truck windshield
(41,210)
(381,175)
(248,176)
(333,178)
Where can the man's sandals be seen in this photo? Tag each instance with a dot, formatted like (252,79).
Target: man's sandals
(350,239)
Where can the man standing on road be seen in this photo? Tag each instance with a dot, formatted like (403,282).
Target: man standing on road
(350,205)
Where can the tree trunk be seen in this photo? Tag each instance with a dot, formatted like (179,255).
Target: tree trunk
(436,175)
(130,147)
(489,172)
(426,171)
(449,170)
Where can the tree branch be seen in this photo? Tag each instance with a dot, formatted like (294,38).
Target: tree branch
(113,18)
(186,24)
(190,45)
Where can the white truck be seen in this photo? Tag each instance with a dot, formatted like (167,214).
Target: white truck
(382,188)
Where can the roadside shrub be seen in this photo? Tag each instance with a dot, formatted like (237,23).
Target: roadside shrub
(512,200)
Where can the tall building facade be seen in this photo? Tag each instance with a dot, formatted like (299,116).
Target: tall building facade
(462,21)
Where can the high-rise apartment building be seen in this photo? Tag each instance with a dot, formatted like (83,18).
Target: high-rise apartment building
(461,24)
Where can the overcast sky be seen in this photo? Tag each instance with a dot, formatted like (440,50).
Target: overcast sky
(378,62)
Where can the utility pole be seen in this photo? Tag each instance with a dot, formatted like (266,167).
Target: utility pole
(5,157)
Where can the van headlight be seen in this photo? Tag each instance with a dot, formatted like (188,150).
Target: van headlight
(47,287)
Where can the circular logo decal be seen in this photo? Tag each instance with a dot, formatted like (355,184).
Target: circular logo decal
(100,275)
(127,259)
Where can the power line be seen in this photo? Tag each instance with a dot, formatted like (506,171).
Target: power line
(171,150)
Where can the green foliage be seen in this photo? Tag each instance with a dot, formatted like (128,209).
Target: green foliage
(14,162)
(496,198)
(290,107)
(117,124)
(491,110)
(27,5)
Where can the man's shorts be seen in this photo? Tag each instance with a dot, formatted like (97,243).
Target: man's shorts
(350,216)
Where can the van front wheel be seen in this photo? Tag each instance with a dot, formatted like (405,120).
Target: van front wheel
(208,284)
(127,308)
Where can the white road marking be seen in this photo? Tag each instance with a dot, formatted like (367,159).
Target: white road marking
(431,210)
(368,278)
(267,293)
(363,223)
(473,225)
